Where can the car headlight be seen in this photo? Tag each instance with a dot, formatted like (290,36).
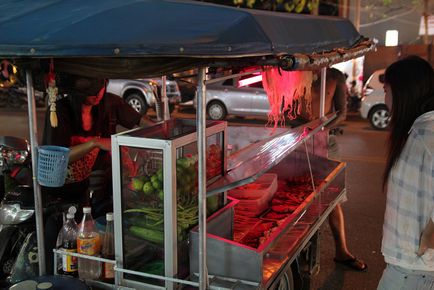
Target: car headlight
(11,214)
(368,91)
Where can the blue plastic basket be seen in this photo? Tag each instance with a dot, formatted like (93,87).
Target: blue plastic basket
(52,165)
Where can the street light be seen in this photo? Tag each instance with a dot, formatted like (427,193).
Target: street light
(391,37)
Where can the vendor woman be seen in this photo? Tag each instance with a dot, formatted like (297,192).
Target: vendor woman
(86,117)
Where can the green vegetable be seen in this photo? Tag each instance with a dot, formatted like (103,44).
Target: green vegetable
(154,178)
(160,174)
(183,163)
(148,222)
(136,184)
(153,236)
(157,184)
(148,188)
(155,214)
(143,178)
(155,267)
(161,194)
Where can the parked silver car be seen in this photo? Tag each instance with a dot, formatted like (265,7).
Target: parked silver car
(141,93)
(373,106)
(228,98)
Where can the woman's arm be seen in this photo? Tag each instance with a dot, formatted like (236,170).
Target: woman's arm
(427,238)
(79,151)
(339,103)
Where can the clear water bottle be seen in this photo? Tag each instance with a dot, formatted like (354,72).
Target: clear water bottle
(88,243)
(69,244)
(108,250)
(59,243)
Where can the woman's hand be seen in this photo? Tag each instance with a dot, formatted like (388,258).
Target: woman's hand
(146,122)
(103,143)
(426,238)
(86,145)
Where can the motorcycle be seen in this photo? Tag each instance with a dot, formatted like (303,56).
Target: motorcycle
(16,97)
(18,246)
(17,205)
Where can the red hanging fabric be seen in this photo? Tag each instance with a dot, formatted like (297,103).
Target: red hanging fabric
(288,92)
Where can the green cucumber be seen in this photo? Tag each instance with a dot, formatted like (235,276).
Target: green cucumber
(153,236)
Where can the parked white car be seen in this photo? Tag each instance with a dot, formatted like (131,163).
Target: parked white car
(228,98)
(141,93)
(373,106)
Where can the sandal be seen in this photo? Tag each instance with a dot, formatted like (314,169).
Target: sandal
(353,263)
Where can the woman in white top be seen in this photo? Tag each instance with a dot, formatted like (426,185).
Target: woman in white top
(408,230)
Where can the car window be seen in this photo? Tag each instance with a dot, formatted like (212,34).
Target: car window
(256,85)
(228,82)
(253,81)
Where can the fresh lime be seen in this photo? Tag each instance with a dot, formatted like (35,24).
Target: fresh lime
(136,184)
(161,194)
(148,188)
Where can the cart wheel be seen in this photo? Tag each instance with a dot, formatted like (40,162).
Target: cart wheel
(285,281)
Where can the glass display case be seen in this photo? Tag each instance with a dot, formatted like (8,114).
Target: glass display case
(155,196)
(255,247)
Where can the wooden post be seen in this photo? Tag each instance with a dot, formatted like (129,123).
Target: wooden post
(425,22)
(357,26)
(344,9)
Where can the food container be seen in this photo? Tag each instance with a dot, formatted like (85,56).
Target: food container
(264,185)
(242,225)
(252,207)
(254,198)
(259,234)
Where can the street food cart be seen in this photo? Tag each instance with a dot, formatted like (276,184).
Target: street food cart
(132,39)
(251,250)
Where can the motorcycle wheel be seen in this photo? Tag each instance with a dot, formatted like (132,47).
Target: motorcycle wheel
(13,242)
(8,265)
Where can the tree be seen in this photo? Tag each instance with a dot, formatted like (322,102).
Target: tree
(293,6)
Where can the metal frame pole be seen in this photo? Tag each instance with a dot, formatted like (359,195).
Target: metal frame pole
(165,99)
(33,127)
(322,92)
(201,147)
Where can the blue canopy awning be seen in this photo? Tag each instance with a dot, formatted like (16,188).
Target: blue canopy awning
(63,28)
(135,38)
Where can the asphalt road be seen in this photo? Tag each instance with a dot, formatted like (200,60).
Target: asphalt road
(364,151)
